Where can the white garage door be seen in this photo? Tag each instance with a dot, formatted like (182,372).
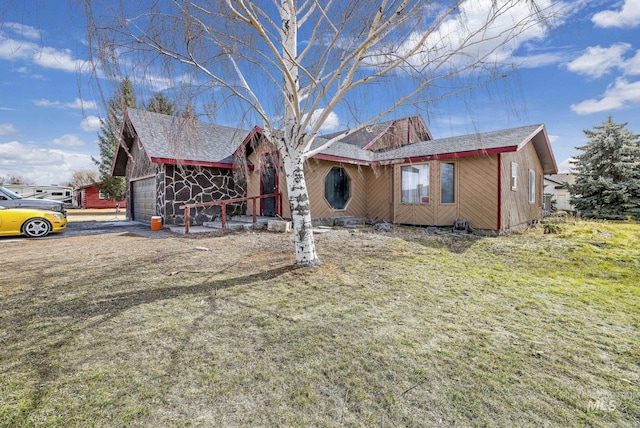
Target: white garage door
(144,199)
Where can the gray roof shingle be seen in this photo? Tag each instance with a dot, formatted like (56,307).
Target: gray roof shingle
(172,137)
(175,138)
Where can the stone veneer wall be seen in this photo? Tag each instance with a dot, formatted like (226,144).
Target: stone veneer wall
(196,184)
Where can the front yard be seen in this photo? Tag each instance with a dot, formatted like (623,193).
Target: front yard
(403,328)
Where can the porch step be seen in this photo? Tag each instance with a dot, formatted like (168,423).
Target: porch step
(239,222)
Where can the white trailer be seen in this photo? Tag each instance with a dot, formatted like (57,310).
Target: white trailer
(56,193)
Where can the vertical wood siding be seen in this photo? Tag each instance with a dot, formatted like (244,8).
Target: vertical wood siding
(516,209)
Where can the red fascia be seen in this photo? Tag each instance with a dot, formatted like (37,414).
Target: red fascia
(340,159)
(191,163)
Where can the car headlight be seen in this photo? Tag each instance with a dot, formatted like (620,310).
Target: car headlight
(58,216)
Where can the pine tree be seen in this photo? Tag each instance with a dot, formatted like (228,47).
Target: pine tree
(114,188)
(159,103)
(608,173)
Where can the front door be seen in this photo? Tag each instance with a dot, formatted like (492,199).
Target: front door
(268,186)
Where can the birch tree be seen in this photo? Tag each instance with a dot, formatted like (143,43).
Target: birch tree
(292,64)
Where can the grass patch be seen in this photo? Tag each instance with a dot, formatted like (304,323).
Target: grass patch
(395,329)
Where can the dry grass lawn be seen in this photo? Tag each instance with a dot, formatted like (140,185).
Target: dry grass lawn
(398,329)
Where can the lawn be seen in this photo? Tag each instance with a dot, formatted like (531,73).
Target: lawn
(395,329)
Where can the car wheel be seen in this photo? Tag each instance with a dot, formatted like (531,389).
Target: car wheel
(36,228)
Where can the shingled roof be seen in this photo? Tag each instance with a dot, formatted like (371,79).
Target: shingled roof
(172,139)
(169,139)
(505,140)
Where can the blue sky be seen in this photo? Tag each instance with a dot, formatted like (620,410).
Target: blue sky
(582,72)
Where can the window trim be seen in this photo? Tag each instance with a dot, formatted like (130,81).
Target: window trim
(421,200)
(324,188)
(455,193)
(514,176)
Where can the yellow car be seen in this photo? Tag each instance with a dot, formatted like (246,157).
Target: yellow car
(33,223)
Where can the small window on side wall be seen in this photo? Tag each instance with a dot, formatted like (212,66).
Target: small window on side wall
(415,184)
(101,195)
(514,176)
(337,188)
(532,186)
(447,183)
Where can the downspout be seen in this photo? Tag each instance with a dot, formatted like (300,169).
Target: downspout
(499,192)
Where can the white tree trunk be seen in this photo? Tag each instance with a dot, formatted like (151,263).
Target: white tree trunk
(305,246)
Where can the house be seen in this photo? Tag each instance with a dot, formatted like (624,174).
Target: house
(556,186)
(398,173)
(89,196)
(393,171)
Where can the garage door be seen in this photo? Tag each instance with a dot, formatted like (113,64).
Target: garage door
(144,199)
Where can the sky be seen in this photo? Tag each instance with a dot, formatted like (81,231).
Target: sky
(571,77)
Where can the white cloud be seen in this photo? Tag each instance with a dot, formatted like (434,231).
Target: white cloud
(46,103)
(26,31)
(8,129)
(566,165)
(553,138)
(627,17)
(468,36)
(82,104)
(620,94)
(598,61)
(59,59)
(42,166)
(68,140)
(331,123)
(632,66)
(90,124)
(77,104)
(48,57)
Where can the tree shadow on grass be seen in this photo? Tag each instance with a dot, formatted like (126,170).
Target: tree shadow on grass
(41,352)
(114,304)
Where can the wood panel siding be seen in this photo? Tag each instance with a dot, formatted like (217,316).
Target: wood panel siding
(315,173)
(142,167)
(516,209)
(478,195)
(380,193)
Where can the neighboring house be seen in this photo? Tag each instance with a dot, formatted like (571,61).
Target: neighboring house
(89,196)
(393,171)
(556,186)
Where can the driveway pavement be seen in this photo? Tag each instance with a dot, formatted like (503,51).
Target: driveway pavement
(83,228)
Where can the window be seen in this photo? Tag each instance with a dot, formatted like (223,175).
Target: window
(447,183)
(514,176)
(532,186)
(337,188)
(101,195)
(415,184)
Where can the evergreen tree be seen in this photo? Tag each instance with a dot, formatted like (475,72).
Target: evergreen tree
(608,173)
(114,188)
(159,103)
